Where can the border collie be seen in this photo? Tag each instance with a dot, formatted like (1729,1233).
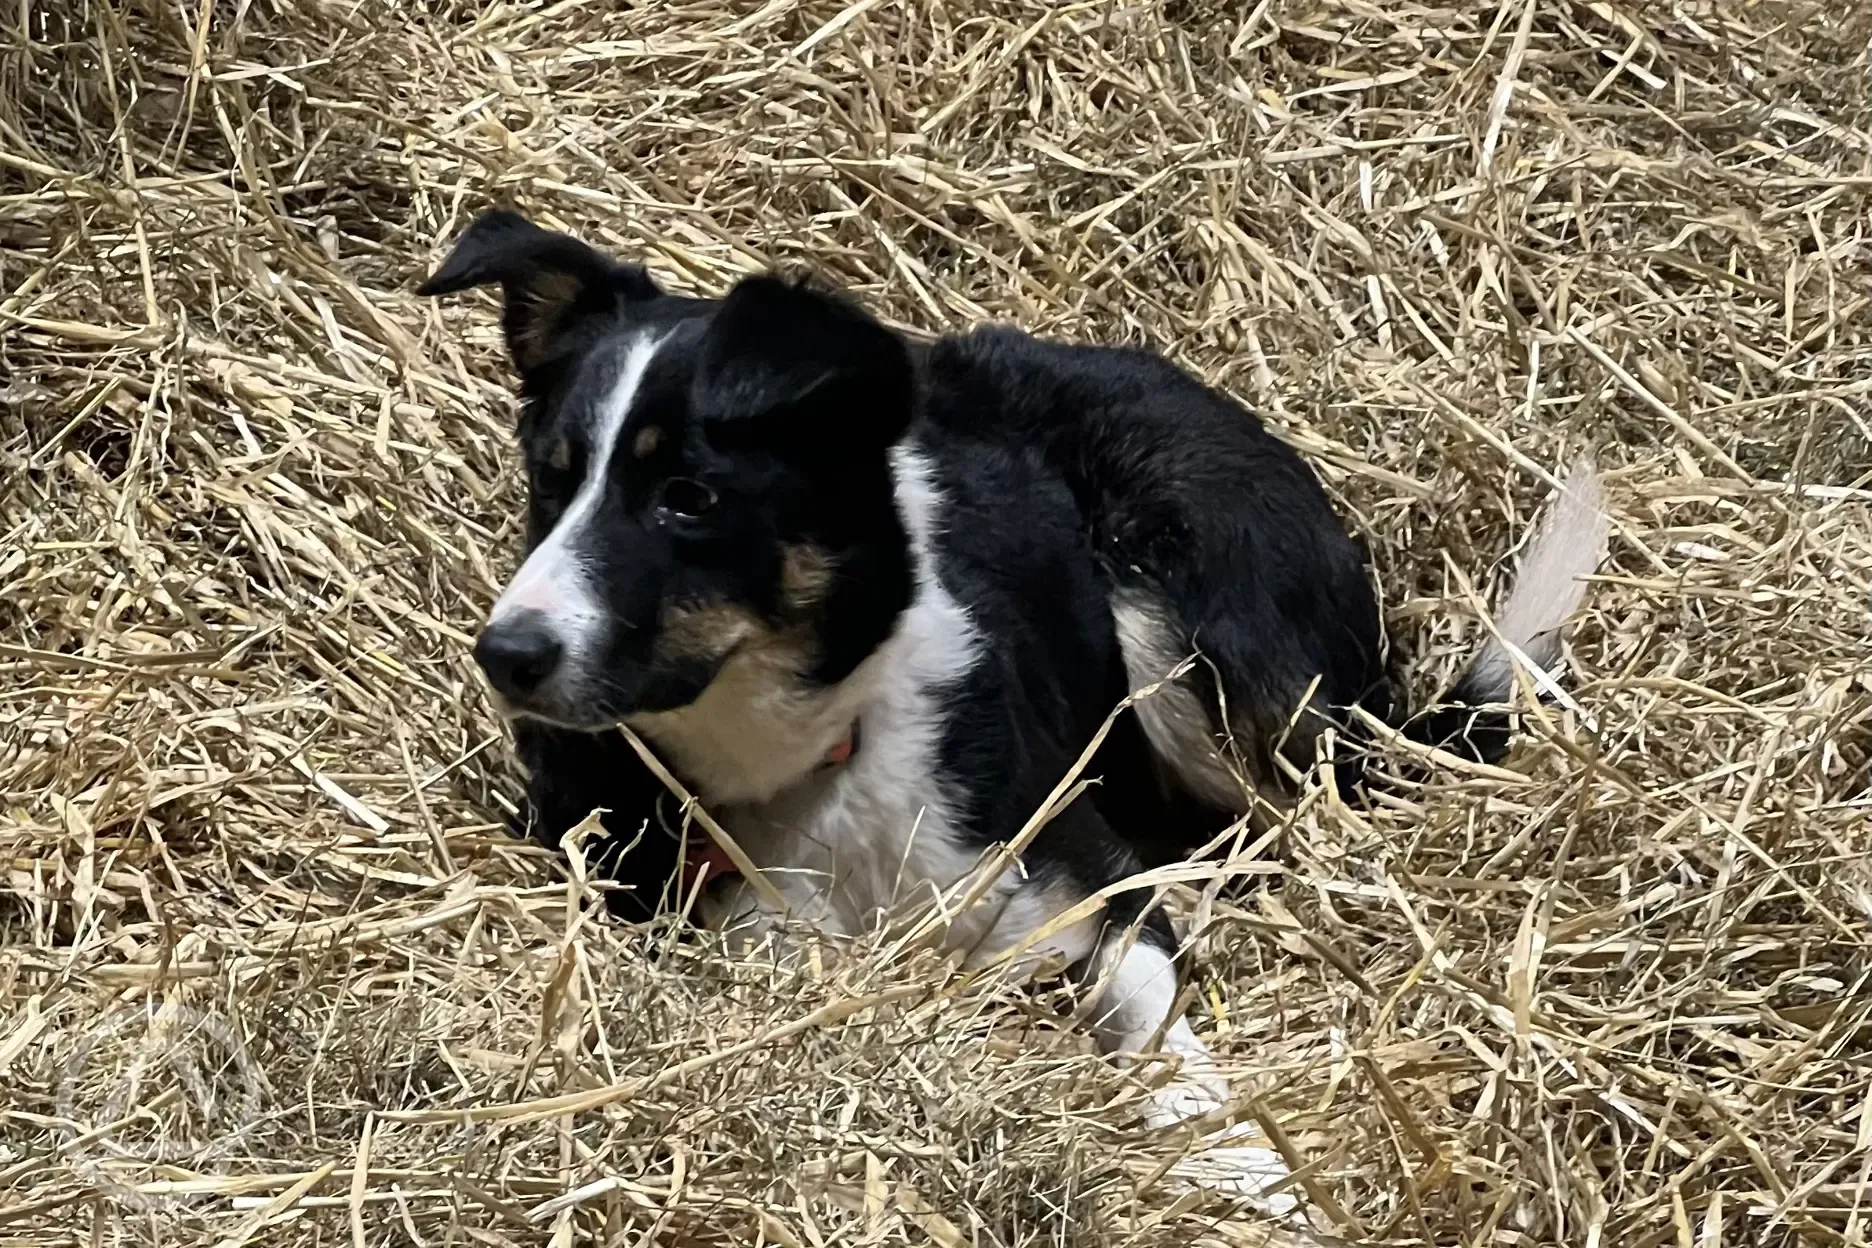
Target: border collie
(869,601)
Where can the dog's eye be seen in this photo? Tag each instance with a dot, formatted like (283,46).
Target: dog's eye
(685,498)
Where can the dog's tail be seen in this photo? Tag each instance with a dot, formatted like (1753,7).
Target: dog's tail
(1568,545)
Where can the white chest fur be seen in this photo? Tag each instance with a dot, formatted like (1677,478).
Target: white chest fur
(843,845)
(847,844)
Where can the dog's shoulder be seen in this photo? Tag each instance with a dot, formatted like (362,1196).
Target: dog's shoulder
(1006,536)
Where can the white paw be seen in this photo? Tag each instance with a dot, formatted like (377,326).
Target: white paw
(1223,1162)
(1246,1171)
(1183,1100)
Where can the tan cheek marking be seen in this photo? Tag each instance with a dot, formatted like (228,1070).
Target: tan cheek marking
(648,439)
(805,576)
(704,632)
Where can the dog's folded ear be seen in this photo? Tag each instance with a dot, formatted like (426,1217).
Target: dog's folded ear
(549,282)
(801,371)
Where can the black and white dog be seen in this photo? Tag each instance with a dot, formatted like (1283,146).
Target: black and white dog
(871,599)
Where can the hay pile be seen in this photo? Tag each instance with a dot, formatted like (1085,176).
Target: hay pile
(271,974)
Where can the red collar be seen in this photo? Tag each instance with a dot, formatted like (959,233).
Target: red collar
(843,750)
(706,859)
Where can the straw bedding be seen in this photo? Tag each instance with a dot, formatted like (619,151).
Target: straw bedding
(272,973)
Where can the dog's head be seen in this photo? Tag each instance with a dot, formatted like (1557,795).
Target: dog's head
(706,479)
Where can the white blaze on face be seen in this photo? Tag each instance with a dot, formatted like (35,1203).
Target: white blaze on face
(555,580)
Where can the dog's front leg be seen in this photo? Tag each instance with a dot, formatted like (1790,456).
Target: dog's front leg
(1135,991)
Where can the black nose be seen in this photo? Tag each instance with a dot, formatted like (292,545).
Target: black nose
(518,654)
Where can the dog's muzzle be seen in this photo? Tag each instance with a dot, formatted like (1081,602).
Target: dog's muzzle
(519,653)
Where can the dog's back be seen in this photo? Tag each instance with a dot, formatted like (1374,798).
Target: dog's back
(1205,536)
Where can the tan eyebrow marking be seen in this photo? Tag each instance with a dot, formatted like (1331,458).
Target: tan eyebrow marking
(648,439)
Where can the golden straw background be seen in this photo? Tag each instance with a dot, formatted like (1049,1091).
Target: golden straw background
(263,940)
